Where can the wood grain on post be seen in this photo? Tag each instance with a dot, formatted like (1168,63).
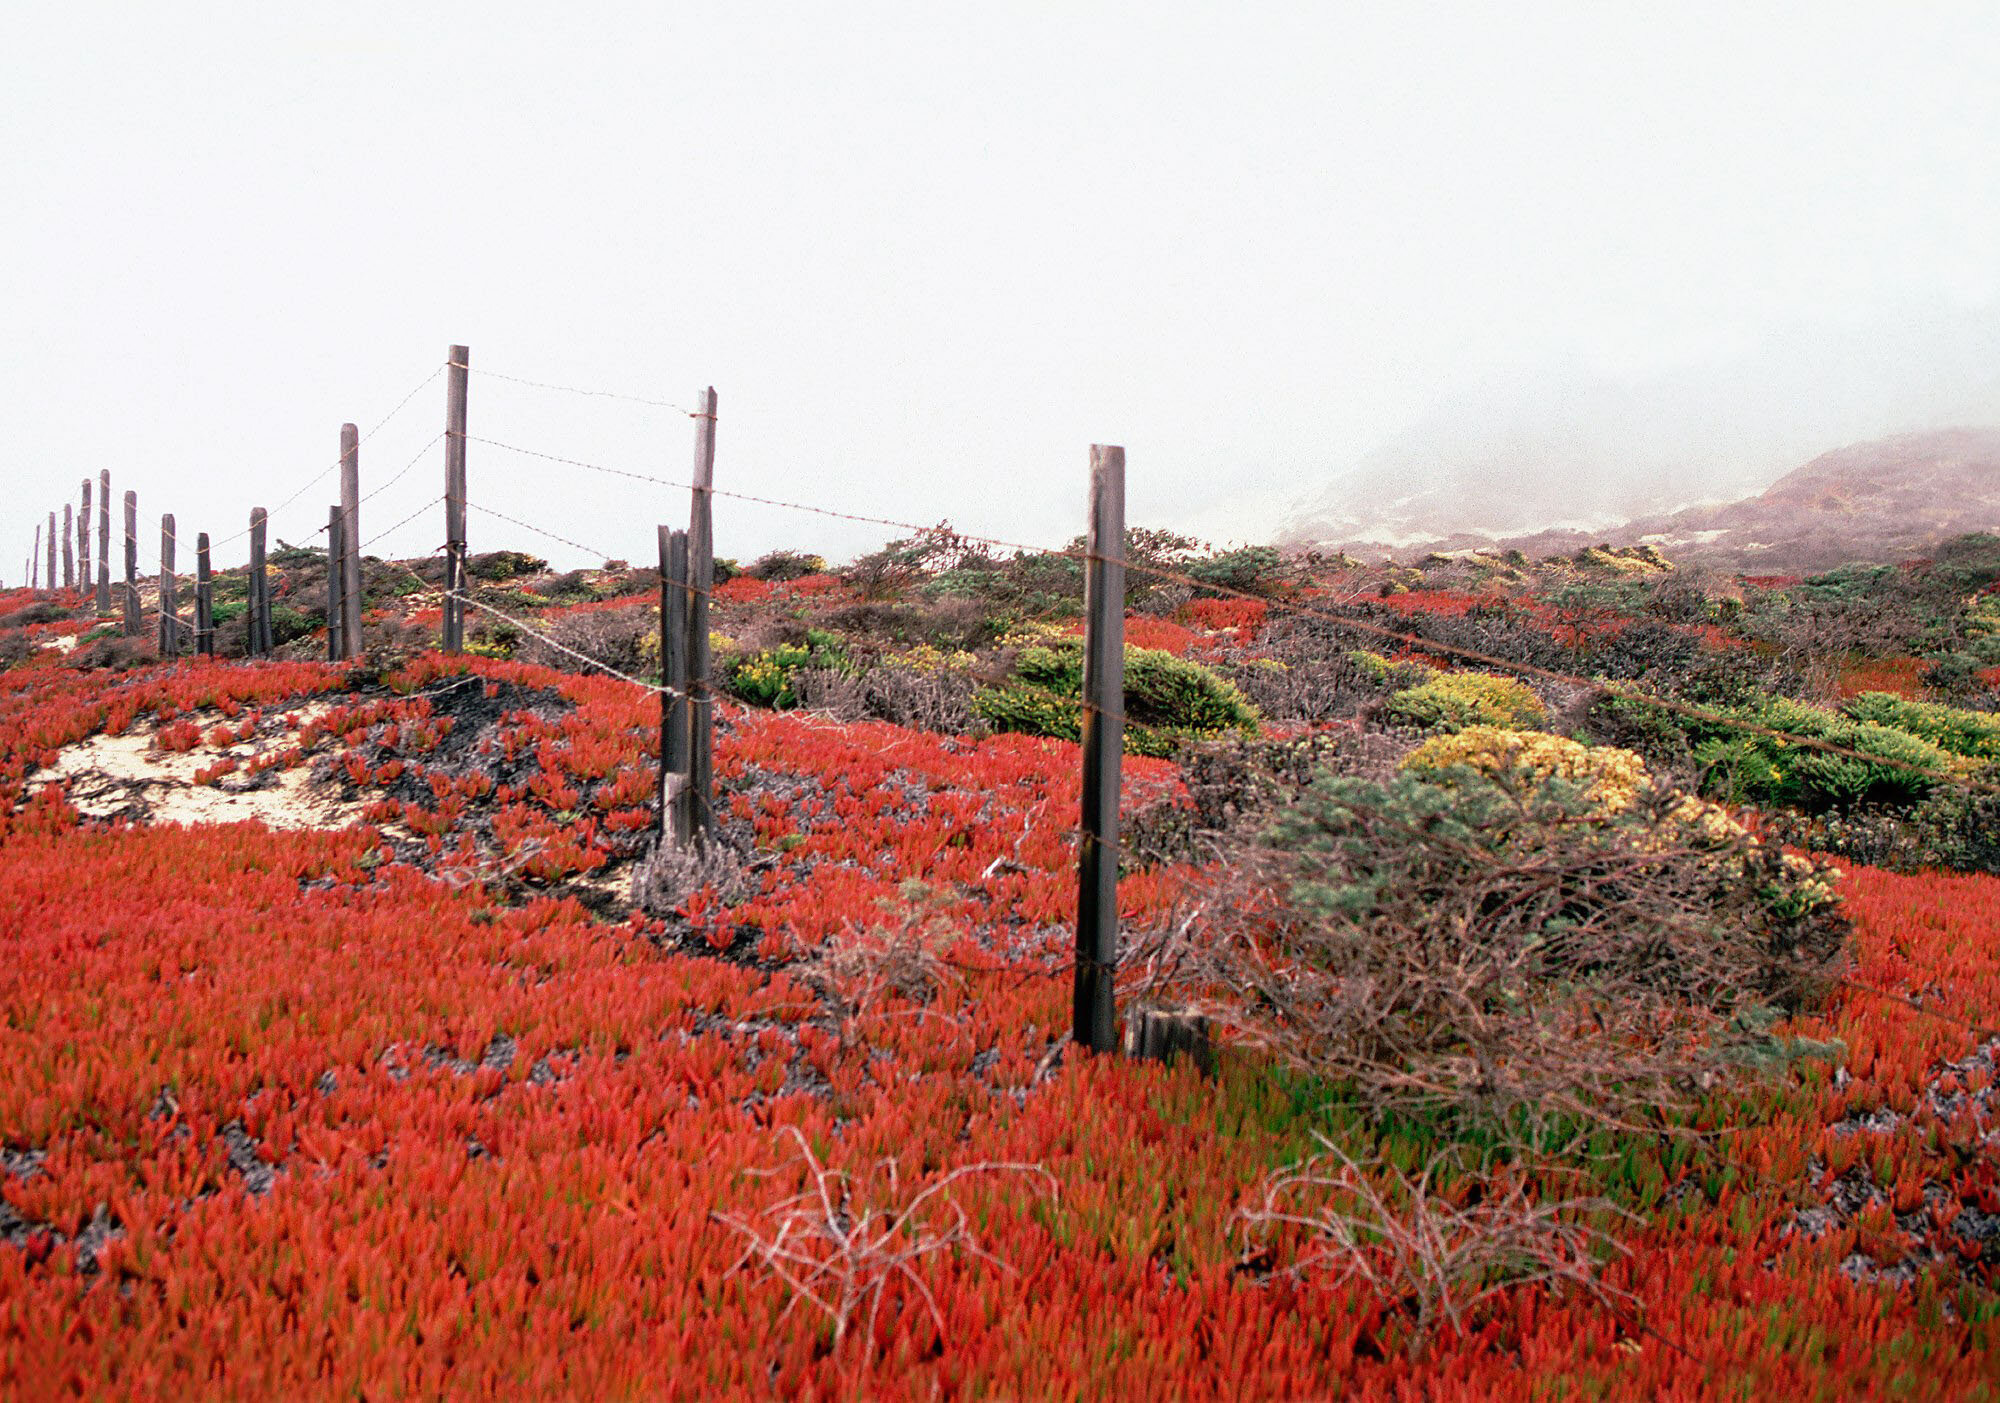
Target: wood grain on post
(350,535)
(131,564)
(260,587)
(336,615)
(1161,1035)
(458,368)
(701,582)
(1103,750)
(170,621)
(69,547)
(83,577)
(104,543)
(675,798)
(204,599)
(50,577)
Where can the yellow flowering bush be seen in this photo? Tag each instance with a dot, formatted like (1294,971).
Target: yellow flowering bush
(1452,701)
(1608,776)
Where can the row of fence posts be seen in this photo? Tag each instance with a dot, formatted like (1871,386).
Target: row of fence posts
(687,706)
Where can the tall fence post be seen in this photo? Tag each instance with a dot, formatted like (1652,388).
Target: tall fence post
(104,543)
(35,560)
(1103,750)
(50,577)
(701,582)
(336,571)
(350,535)
(459,366)
(676,816)
(170,611)
(69,547)
(131,564)
(204,599)
(83,541)
(259,644)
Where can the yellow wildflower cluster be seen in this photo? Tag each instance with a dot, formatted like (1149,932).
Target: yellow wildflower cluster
(1033,633)
(926,657)
(1608,776)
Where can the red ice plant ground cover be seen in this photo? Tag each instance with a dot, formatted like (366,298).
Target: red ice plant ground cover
(321,1125)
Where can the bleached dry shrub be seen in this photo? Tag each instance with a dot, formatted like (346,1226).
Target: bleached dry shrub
(671,873)
(618,638)
(1437,1242)
(842,1241)
(922,698)
(1501,946)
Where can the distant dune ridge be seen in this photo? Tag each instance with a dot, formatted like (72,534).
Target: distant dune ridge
(1885,499)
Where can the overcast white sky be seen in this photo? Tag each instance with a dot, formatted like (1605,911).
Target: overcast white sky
(929,253)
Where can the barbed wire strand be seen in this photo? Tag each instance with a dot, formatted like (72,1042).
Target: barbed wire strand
(572,389)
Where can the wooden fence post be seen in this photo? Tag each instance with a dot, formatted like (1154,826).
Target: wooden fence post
(1103,750)
(675,737)
(336,570)
(204,599)
(170,611)
(459,366)
(350,535)
(259,644)
(701,582)
(69,547)
(51,575)
(104,543)
(35,560)
(131,564)
(83,542)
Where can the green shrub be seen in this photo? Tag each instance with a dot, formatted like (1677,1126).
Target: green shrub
(1250,569)
(228,610)
(1746,766)
(1452,701)
(765,678)
(288,623)
(1971,733)
(1167,699)
(504,565)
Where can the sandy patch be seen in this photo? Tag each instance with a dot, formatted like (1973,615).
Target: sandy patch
(124,775)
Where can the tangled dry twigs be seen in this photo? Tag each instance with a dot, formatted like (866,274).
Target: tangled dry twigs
(839,1244)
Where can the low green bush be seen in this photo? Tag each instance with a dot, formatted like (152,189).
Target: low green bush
(1745,766)
(1167,699)
(1452,701)
(1970,733)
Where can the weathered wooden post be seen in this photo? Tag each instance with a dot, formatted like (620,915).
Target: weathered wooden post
(350,535)
(35,560)
(170,621)
(259,644)
(459,366)
(69,547)
(204,599)
(336,612)
(50,577)
(131,564)
(701,583)
(1103,750)
(676,799)
(103,543)
(83,578)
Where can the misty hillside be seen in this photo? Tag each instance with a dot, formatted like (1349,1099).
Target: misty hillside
(1885,499)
